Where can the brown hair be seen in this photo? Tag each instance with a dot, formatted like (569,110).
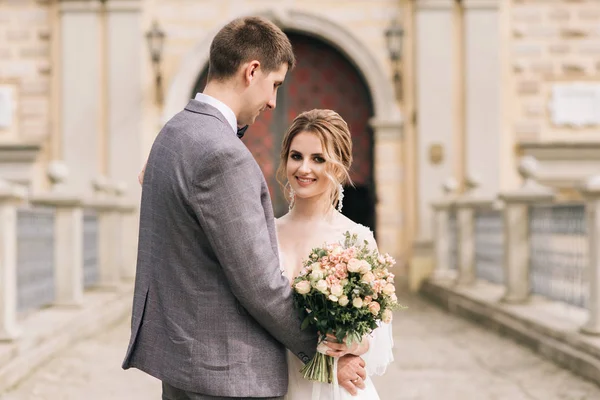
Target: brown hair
(336,141)
(247,39)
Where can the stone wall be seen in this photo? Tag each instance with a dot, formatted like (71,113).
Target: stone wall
(188,22)
(25,66)
(553,41)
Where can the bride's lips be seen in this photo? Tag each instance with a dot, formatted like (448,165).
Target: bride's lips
(304,182)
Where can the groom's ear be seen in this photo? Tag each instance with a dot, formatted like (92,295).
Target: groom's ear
(250,71)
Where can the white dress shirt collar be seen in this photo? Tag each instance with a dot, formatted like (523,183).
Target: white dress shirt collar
(222,107)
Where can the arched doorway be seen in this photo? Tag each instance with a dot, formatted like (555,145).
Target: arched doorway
(323,78)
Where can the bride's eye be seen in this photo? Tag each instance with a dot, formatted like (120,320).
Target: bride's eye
(319,160)
(296,157)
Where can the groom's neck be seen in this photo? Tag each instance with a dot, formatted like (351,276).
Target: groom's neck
(226,92)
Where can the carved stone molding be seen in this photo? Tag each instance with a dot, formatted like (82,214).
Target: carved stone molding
(434,4)
(481,4)
(16,161)
(124,5)
(79,5)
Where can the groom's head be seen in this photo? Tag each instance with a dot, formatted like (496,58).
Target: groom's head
(252,56)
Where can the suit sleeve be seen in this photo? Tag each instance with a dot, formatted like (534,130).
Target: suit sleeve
(227,200)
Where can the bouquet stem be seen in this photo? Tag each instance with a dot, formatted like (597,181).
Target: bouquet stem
(319,369)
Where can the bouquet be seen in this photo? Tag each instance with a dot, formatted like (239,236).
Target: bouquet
(343,289)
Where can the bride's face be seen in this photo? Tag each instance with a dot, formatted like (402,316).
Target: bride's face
(306,166)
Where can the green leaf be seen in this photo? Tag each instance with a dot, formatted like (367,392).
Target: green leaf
(305,323)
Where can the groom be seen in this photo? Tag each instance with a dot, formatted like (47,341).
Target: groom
(212,313)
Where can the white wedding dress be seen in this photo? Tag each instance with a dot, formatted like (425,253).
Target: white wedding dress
(376,359)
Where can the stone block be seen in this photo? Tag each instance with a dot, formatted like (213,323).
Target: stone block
(589,47)
(527,49)
(18,69)
(527,130)
(44,33)
(540,31)
(35,51)
(573,33)
(534,109)
(589,14)
(542,67)
(5,53)
(34,16)
(35,87)
(574,68)
(44,67)
(528,87)
(559,48)
(559,14)
(17,35)
(527,14)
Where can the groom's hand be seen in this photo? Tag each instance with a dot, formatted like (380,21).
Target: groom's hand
(351,373)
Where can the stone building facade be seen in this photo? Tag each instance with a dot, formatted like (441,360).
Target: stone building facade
(77,88)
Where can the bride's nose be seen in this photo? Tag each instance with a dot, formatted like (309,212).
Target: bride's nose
(304,167)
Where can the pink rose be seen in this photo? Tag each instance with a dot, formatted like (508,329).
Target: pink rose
(374,307)
(389,289)
(386,316)
(368,277)
(364,267)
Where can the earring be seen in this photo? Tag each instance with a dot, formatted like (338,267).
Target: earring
(292,196)
(340,198)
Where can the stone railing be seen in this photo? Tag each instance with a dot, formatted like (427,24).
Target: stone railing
(526,240)
(55,245)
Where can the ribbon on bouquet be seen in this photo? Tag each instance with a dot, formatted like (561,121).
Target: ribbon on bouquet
(334,388)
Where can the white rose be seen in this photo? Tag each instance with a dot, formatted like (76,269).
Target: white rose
(344,301)
(386,316)
(357,302)
(394,298)
(337,290)
(321,286)
(337,251)
(303,287)
(353,265)
(316,266)
(316,275)
(364,267)
(368,277)
(389,289)
(333,298)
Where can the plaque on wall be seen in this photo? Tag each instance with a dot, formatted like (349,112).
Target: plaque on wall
(6,106)
(575,104)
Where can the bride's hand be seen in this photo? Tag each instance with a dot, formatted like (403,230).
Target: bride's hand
(341,349)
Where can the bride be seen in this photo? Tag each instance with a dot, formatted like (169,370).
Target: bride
(315,160)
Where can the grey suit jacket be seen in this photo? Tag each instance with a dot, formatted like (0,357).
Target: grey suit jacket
(212,313)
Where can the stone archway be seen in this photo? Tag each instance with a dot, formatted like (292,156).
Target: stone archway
(386,122)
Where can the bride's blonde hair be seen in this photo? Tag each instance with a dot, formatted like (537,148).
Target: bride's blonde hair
(336,141)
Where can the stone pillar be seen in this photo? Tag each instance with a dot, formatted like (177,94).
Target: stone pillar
(10,197)
(125,50)
(68,245)
(441,227)
(107,208)
(388,175)
(516,231)
(81,95)
(482,84)
(435,96)
(465,217)
(591,192)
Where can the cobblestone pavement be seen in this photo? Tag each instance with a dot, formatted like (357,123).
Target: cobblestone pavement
(438,357)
